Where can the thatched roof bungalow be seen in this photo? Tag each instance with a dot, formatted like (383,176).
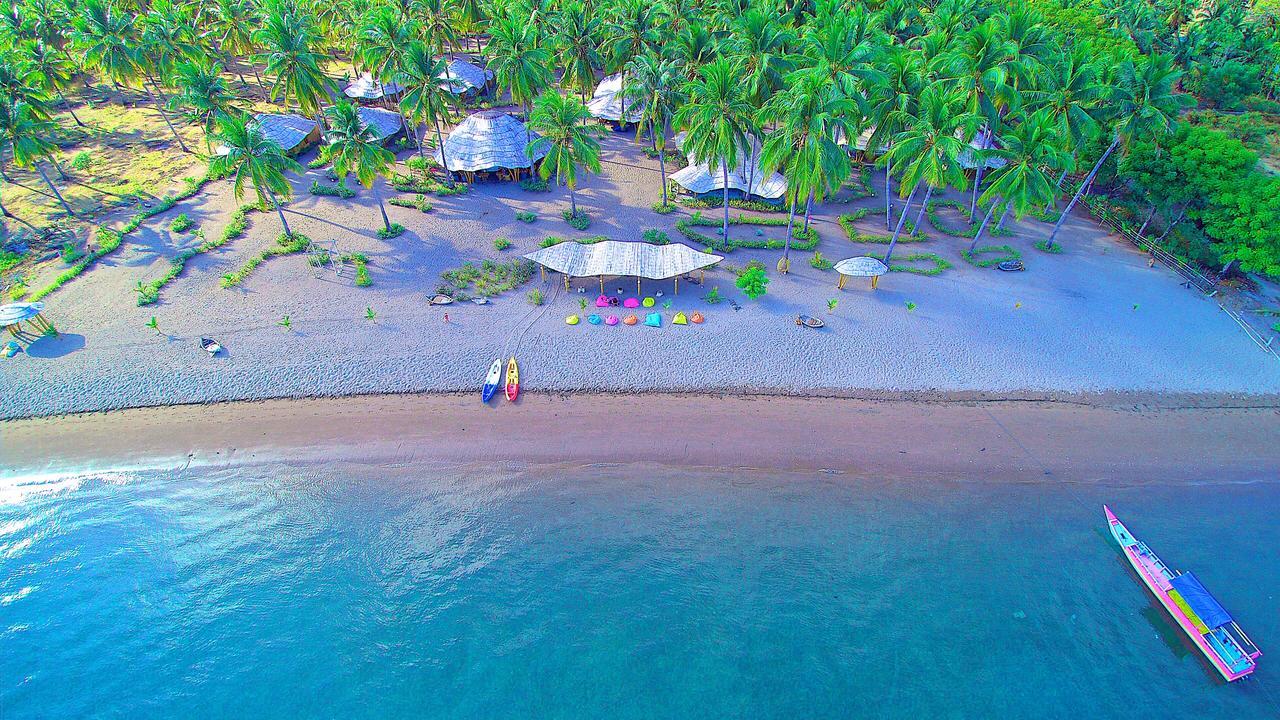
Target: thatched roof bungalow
(293,133)
(491,141)
(606,104)
(385,124)
(465,79)
(701,180)
(366,89)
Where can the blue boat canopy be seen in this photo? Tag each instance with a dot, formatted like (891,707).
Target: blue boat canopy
(1199,599)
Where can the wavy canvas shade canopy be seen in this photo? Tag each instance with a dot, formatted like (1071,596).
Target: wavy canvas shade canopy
(14,313)
(606,103)
(699,179)
(464,77)
(488,141)
(863,266)
(366,87)
(620,258)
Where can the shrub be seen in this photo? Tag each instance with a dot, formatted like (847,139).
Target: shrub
(662,209)
(361,263)
(753,282)
(1002,253)
(536,297)
(717,202)
(82,160)
(937,267)
(417,202)
(285,245)
(339,190)
(819,262)
(9,260)
(17,291)
(1044,246)
(501,244)
(656,237)
(181,224)
(847,221)
(71,253)
(525,216)
(422,164)
(490,278)
(321,159)
(579,221)
(713,296)
(533,184)
(395,231)
(801,239)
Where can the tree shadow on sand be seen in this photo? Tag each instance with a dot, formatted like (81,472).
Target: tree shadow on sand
(56,346)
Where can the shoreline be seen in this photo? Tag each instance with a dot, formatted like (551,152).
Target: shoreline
(1096,438)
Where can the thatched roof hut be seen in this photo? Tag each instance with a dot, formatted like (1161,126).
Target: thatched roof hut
(700,179)
(293,133)
(606,103)
(385,124)
(465,78)
(489,141)
(368,89)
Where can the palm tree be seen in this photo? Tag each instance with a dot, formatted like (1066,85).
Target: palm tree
(656,85)
(105,39)
(928,149)
(435,21)
(1146,104)
(569,143)
(1032,150)
(355,149)
(381,41)
(287,39)
(167,40)
(472,15)
(980,67)
(22,82)
(53,71)
(230,29)
(425,99)
(577,42)
(203,94)
(632,33)
(26,135)
(1069,87)
(762,42)
(519,62)
(716,118)
(893,102)
(693,47)
(251,155)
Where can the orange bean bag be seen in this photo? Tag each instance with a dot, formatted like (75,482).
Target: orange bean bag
(697,318)
(630,320)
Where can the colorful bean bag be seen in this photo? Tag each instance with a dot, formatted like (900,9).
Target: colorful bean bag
(653,319)
(602,301)
(572,320)
(611,320)
(697,318)
(648,302)
(594,319)
(631,303)
(631,320)
(680,319)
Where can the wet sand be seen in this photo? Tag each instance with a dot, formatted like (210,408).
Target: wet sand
(1081,439)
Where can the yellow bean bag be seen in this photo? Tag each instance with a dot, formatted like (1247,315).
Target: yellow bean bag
(572,320)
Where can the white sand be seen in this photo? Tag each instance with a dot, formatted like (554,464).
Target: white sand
(1093,320)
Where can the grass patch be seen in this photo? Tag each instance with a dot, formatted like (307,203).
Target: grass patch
(149,293)
(534,185)
(285,245)
(9,260)
(501,244)
(1002,253)
(655,236)
(525,216)
(395,231)
(820,263)
(1044,246)
(860,186)
(489,279)
(937,264)
(339,190)
(589,240)
(847,220)
(935,219)
(182,223)
(71,252)
(801,239)
(578,221)
(424,184)
(663,209)
(535,297)
(361,263)
(417,202)
(718,202)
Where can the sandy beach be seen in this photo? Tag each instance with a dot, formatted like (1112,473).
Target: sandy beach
(1096,319)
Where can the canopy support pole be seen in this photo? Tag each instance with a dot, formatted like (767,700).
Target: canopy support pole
(637,285)
(566,282)
(677,290)
(601,284)
(840,285)
(543,270)
(875,280)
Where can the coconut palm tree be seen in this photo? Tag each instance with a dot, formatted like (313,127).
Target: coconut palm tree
(657,85)
(105,39)
(892,102)
(425,99)
(569,143)
(287,38)
(251,156)
(716,120)
(472,15)
(354,148)
(1146,104)
(763,44)
(20,82)
(632,32)
(928,149)
(26,135)
(979,66)
(203,95)
(519,61)
(693,47)
(381,39)
(576,40)
(53,71)
(1032,151)
(231,30)
(1068,86)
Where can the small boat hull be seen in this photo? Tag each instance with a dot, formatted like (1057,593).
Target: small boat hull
(513,380)
(492,381)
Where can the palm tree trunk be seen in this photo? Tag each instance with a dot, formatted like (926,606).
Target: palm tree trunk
(786,242)
(280,212)
(888,195)
(63,99)
(160,107)
(62,174)
(1058,188)
(444,160)
(808,209)
(1181,214)
(4,211)
(382,208)
(54,188)
(573,204)
(662,168)
(724,174)
(977,236)
(1147,222)
(901,219)
(923,206)
(1076,198)
(1003,216)
(977,173)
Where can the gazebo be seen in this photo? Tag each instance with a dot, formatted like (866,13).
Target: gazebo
(607,103)
(617,258)
(862,266)
(491,141)
(367,89)
(465,79)
(14,314)
(746,180)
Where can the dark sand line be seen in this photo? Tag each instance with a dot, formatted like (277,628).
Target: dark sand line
(1097,439)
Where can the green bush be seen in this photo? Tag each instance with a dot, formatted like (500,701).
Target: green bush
(395,231)
(525,216)
(967,232)
(847,221)
(181,224)
(662,209)
(1002,253)
(1044,246)
(417,202)
(9,260)
(533,184)
(536,297)
(718,202)
(339,190)
(1228,84)
(820,263)
(82,160)
(656,237)
(802,239)
(501,244)
(285,245)
(579,221)
(491,278)
(937,267)
(361,263)
(753,282)
(71,253)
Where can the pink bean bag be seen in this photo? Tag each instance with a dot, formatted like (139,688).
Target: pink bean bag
(602,301)
(611,320)
(631,303)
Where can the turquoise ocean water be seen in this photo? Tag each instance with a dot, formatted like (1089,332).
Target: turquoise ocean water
(419,591)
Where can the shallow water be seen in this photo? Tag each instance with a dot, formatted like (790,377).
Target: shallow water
(623,592)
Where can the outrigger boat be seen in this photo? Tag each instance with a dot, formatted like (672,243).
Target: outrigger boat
(492,381)
(1198,613)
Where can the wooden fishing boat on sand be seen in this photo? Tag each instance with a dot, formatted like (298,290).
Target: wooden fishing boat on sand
(1198,613)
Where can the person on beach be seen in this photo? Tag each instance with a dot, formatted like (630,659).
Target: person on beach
(446,318)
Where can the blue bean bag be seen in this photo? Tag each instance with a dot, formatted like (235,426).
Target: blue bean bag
(594,319)
(653,319)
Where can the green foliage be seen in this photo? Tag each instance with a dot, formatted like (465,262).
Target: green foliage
(969,231)
(713,296)
(716,201)
(9,260)
(936,264)
(820,263)
(82,160)
(911,306)
(417,202)
(1002,253)
(579,221)
(361,263)
(535,297)
(534,184)
(501,244)
(847,220)
(339,190)
(1044,246)
(753,282)
(1228,84)
(18,291)
(491,278)
(656,237)
(662,209)
(802,239)
(426,185)
(525,216)
(71,252)
(285,245)
(395,231)
(182,223)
